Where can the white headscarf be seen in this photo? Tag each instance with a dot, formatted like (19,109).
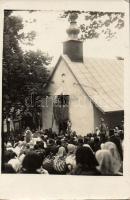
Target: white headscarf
(21,158)
(87,145)
(70,159)
(115,155)
(9,146)
(18,148)
(61,152)
(105,161)
(71,149)
(15,163)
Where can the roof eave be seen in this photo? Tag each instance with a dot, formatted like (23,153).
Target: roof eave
(113,111)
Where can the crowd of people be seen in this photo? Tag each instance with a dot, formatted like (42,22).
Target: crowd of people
(45,152)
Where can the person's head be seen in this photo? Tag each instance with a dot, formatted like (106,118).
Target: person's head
(61,132)
(40,144)
(85,156)
(9,145)
(74,141)
(20,144)
(31,162)
(114,152)
(71,149)
(122,124)
(58,142)
(117,142)
(109,146)
(31,145)
(89,135)
(15,163)
(7,168)
(94,135)
(21,137)
(28,128)
(102,138)
(46,131)
(65,143)
(51,142)
(61,152)
(102,120)
(92,139)
(111,132)
(74,133)
(36,147)
(55,134)
(116,128)
(80,141)
(86,140)
(97,128)
(105,161)
(121,135)
(8,155)
(96,140)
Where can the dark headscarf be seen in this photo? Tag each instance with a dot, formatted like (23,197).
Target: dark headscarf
(8,155)
(86,162)
(85,156)
(32,162)
(7,168)
(117,142)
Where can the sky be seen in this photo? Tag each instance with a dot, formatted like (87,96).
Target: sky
(51,32)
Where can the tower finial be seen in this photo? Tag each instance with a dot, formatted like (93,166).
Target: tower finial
(73,47)
(73,29)
(73,16)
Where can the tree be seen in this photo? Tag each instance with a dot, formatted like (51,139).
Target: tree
(12,57)
(99,23)
(36,71)
(22,72)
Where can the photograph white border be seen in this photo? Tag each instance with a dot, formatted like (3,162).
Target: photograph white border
(37,187)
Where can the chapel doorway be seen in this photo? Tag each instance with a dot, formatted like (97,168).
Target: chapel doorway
(61,112)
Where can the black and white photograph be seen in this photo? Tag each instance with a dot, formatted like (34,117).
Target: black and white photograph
(63,92)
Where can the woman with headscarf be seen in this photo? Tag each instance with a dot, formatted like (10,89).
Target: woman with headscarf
(8,169)
(70,158)
(19,147)
(16,164)
(32,162)
(85,162)
(116,140)
(9,146)
(50,153)
(59,163)
(105,160)
(115,155)
(28,135)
